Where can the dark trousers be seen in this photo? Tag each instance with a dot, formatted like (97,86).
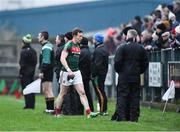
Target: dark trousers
(128,101)
(72,104)
(99,89)
(88,93)
(127,114)
(29,98)
(29,101)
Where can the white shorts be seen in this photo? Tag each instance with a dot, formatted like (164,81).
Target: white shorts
(64,81)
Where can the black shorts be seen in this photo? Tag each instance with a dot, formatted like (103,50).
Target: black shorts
(48,75)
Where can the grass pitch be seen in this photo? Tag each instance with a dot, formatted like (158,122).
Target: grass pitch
(14,118)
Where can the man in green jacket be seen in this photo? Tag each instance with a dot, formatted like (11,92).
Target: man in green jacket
(46,67)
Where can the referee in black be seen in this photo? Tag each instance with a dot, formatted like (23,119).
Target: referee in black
(46,67)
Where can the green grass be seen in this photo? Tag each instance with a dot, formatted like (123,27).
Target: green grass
(13,117)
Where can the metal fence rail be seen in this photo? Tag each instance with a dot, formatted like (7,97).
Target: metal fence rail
(165,57)
(150,93)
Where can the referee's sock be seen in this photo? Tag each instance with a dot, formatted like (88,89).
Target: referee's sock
(47,103)
(51,103)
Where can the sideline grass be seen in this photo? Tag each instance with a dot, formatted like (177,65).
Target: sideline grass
(14,118)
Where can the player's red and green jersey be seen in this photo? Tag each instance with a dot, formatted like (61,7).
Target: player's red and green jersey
(73,55)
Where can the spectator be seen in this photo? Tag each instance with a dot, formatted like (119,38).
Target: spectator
(91,45)
(137,24)
(85,68)
(173,21)
(146,39)
(110,40)
(27,62)
(176,42)
(165,10)
(68,36)
(60,42)
(99,71)
(156,15)
(148,23)
(176,9)
(158,40)
(129,62)
(120,33)
(115,115)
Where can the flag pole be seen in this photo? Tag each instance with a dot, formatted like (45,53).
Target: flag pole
(164,107)
(170,93)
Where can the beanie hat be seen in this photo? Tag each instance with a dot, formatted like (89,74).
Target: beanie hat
(84,41)
(27,38)
(161,26)
(177,29)
(99,38)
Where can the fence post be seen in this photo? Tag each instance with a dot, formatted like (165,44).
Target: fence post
(144,94)
(163,70)
(172,55)
(152,94)
(113,79)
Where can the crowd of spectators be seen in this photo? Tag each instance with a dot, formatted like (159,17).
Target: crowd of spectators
(156,31)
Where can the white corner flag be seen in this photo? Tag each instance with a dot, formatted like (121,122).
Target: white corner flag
(170,93)
(33,87)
